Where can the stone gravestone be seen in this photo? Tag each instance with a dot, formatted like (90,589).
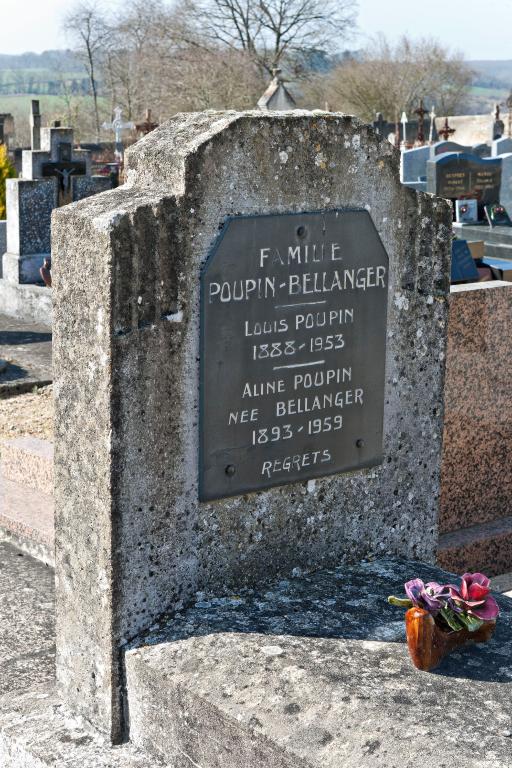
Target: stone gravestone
(52,175)
(248,374)
(501,146)
(461,175)
(7,130)
(448,147)
(413,167)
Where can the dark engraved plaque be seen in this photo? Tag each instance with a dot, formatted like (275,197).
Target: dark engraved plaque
(465,176)
(463,263)
(293,346)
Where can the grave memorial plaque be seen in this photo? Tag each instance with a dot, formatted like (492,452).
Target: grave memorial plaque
(293,347)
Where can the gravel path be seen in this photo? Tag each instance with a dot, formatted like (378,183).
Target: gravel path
(29,414)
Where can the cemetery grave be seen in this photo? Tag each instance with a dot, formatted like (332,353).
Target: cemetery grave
(54,173)
(477,180)
(250,395)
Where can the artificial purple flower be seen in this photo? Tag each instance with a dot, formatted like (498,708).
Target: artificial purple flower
(473,597)
(431,596)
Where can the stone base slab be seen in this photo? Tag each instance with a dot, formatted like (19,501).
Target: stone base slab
(27,519)
(37,732)
(496,235)
(31,303)
(314,672)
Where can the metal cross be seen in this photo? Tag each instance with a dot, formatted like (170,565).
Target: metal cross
(421,112)
(446,131)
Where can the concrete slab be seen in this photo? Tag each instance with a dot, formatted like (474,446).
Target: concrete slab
(28,349)
(29,461)
(315,672)
(26,622)
(27,519)
(37,732)
(27,302)
(35,729)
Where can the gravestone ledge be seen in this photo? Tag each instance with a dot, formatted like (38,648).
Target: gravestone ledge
(314,671)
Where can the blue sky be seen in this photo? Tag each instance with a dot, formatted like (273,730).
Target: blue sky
(481,30)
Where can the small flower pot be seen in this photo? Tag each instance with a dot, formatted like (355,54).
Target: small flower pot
(429,644)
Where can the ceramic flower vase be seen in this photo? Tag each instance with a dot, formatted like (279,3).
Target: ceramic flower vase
(429,644)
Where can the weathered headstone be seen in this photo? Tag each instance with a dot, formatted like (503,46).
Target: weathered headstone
(35,125)
(498,126)
(174,357)
(413,167)
(7,130)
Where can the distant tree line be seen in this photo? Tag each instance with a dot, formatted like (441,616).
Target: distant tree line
(200,54)
(217,54)
(40,86)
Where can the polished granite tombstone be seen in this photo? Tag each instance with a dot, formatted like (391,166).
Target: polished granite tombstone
(476,487)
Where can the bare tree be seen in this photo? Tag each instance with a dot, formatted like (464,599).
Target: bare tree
(271,31)
(390,79)
(91,32)
(155,60)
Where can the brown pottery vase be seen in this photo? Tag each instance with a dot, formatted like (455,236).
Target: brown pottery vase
(429,644)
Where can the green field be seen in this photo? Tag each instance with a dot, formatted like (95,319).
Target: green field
(78,112)
(21,103)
